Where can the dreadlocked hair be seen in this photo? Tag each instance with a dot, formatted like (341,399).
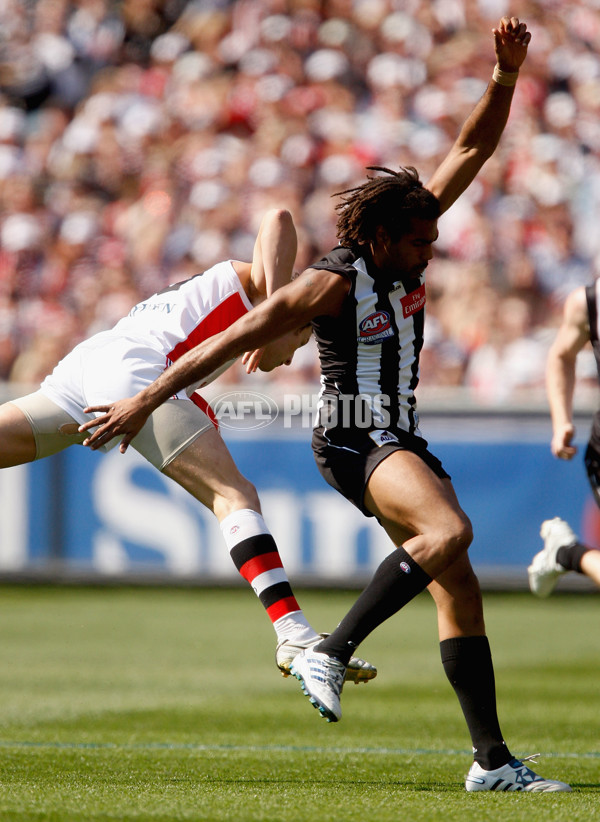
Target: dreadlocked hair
(391,202)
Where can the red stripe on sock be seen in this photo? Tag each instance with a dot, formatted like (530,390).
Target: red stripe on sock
(282,607)
(258,565)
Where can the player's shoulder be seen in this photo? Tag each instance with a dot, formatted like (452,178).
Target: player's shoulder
(341,260)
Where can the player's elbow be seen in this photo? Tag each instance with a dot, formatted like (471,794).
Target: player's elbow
(562,359)
(279,218)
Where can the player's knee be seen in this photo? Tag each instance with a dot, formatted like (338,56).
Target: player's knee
(458,536)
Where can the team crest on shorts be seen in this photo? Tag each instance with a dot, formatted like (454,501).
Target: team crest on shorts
(381,437)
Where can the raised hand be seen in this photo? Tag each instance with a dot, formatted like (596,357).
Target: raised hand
(511,39)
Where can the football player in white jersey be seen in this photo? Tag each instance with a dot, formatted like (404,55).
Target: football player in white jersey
(366,300)
(181,440)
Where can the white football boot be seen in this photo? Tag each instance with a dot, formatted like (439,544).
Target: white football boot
(544,571)
(322,680)
(514,776)
(358,670)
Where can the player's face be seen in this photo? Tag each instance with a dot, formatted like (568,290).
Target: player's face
(410,255)
(281,351)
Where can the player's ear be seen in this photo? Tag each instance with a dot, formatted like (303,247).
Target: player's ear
(382,236)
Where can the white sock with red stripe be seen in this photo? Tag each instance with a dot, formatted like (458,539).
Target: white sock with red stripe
(255,555)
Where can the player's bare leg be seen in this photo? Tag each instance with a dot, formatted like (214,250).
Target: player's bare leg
(17,443)
(590,565)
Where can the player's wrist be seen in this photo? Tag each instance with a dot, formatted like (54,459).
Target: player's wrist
(505,77)
(151,397)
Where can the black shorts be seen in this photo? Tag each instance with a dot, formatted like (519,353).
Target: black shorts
(346,462)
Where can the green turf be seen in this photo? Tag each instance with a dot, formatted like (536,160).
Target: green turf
(126,704)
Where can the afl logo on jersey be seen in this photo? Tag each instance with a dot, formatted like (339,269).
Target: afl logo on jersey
(375,328)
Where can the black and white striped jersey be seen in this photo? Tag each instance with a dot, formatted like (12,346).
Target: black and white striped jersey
(592,293)
(370,353)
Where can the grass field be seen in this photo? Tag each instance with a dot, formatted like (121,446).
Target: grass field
(124,704)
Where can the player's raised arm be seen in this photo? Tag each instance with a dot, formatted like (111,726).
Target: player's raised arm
(482,130)
(274,252)
(273,260)
(573,334)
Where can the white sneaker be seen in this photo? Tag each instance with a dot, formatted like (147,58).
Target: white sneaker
(358,670)
(322,680)
(514,776)
(544,571)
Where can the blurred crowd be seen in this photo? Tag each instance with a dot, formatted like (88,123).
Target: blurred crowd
(141,142)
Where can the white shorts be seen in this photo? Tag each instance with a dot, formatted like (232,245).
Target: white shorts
(167,432)
(100,371)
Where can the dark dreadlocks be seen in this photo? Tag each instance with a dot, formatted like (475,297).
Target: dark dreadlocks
(390,201)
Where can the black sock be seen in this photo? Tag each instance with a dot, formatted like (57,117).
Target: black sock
(395,582)
(468,665)
(569,556)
